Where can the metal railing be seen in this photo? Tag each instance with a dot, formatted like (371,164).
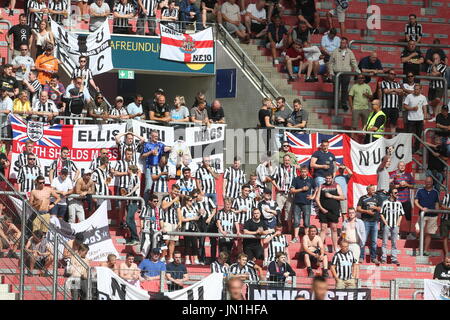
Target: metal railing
(397,44)
(422,227)
(8,50)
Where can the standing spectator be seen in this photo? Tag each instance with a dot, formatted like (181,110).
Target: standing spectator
(22,64)
(255,190)
(358,100)
(22,159)
(233,179)
(82,71)
(264,172)
(375,122)
(383,177)
(445,222)
(232,20)
(411,58)
(206,179)
(147,14)
(45,108)
(416,104)
(136,109)
(63,162)
(407,87)
(323,162)
(33,85)
(370,64)
(99,12)
(298,117)
(6,107)
(234,288)
(328,44)
(199,114)
(190,13)
(58,10)
(391,215)
(21,34)
(187,182)
(277,37)
(171,210)
(76,96)
(101,177)
(131,141)
(122,12)
(160,176)
(254,226)
(85,188)
(354,231)
(188,217)
(327,198)
(46,64)
(159,110)
(343,59)
(276,243)
(176,273)
(226,220)
(442,270)
(307,14)
(443,123)
(207,213)
(431,51)
(42,37)
(265,114)
(170,14)
(28,173)
(55,90)
(437,160)
(269,209)
(215,112)
(243,206)
(279,269)
(413,30)
(437,87)
(150,224)
(36,11)
(342,177)
(98,109)
(339,11)
(133,190)
(369,206)
(313,251)
(63,186)
(40,201)
(256,19)
(427,198)
(8,81)
(302,188)
(295,61)
(344,268)
(221,265)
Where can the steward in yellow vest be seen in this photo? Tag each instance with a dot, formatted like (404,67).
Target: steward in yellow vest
(375,122)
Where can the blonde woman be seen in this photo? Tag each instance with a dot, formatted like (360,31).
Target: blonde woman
(41,37)
(179,113)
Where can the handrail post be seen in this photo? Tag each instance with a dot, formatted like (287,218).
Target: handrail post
(55,267)
(22,252)
(422,233)
(392,285)
(89,284)
(162,281)
(336,92)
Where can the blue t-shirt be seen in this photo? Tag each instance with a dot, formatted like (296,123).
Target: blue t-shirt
(152,269)
(153,160)
(324,158)
(428,199)
(342,180)
(300,197)
(177,271)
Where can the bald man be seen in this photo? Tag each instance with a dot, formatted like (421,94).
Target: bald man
(370,64)
(375,122)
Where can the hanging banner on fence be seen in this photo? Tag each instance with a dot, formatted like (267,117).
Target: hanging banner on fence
(83,141)
(261,292)
(209,288)
(189,48)
(143,129)
(95,45)
(436,290)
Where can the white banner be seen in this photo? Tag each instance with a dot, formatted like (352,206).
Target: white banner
(210,288)
(189,48)
(436,290)
(143,129)
(95,45)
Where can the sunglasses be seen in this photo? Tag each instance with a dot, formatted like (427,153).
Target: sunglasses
(83,61)
(155,201)
(100,98)
(285,146)
(23,49)
(32,159)
(40,182)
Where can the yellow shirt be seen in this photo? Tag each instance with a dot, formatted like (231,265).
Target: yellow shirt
(19,107)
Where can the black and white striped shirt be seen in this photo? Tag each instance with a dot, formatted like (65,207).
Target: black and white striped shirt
(122,166)
(60,5)
(160,185)
(135,146)
(85,74)
(59,164)
(216,267)
(189,212)
(277,244)
(171,13)
(34,18)
(150,222)
(118,112)
(27,176)
(235,180)
(48,106)
(240,203)
(262,172)
(227,220)
(150,6)
(441,67)
(206,204)
(414,31)
(236,269)
(134,181)
(95,163)
(99,177)
(207,181)
(122,9)
(284,176)
(343,263)
(390,100)
(170,215)
(22,159)
(186,186)
(37,90)
(446,203)
(392,210)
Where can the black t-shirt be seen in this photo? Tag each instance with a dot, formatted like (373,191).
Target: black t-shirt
(444,122)
(411,67)
(306,7)
(215,115)
(210,3)
(365,202)
(21,35)
(2,168)
(261,115)
(251,225)
(435,163)
(76,104)
(441,272)
(159,110)
(8,83)
(324,158)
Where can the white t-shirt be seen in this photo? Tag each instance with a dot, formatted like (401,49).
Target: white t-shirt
(260,14)
(413,101)
(6,104)
(312,53)
(63,186)
(407,87)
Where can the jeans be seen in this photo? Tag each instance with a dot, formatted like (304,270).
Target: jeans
(417,128)
(140,25)
(131,211)
(299,211)
(343,90)
(318,181)
(372,234)
(148,180)
(212,196)
(393,232)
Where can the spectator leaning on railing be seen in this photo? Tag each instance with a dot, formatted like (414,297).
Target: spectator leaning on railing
(442,270)
(370,64)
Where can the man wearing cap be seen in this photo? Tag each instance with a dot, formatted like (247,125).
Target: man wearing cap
(63,186)
(119,111)
(98,109)
(159,110)
(46,64)
(85,188)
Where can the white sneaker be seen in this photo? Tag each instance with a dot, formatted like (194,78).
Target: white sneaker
(163,259)
(171,260)
(411,237)
(187,262)
(196,261)
(432,120)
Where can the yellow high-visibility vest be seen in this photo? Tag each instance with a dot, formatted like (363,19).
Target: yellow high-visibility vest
(371,122)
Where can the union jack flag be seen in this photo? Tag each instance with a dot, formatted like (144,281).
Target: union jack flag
(51,135)
(304,145)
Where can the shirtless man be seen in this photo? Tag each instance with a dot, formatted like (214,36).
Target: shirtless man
(130,272)
(40,200)
(313,250)
(111,263)
(83,187)
(9,237)
(74,245)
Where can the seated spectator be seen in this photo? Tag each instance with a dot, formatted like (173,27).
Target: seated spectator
(46,64)
(123,11)
(436,90)
(38,253)
(344,268)
(279,269)
(307,14)
(176,273)
(443,123)
(77,97)
(118,111)
(358,100)
(79,272)
(232,20)
(339,11)
(55,90)
(21,34)
(9,237)
(200,96)
(411,58)
(98,109)
(431,51)
(413,30)
(42,37)
(22,64)
(129,271)
(8,81)
(442,270)
(437,158)
(210,12)
(215,112)
(298,117)
(295,61)
(375,122)
(199,114)
(265,114)
(313,252)
(277,38)
(21,105)
(135,109)
(33,85)
(221,265)
(45,108)
(370,64)
(312,56)
(179,112)
(189,12)
(98,12)
(256,19)
(111,263)
(301,33)
(159,110)
(328,44)
(235,288)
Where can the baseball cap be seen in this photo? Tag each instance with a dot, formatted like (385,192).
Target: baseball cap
(119,98)
(64,171)
(155,251)
(267,190)
(445,107)
(159,90)
(87,172)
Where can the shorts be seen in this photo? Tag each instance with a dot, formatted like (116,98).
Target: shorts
(346,284)
(407,208)
(4,244)
(270,223)
(39,225)
(329,217)
(312,259)
(284,201)
(278,45)
(356,115)
(445,228)
(431,225)
(339,12)
(355,249)
(436,93)
(211,17)
(171,227)
(254,251)
(257,27)
(232,28)
(391,115)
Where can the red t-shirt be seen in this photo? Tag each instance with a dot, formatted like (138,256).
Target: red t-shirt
(292,53)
